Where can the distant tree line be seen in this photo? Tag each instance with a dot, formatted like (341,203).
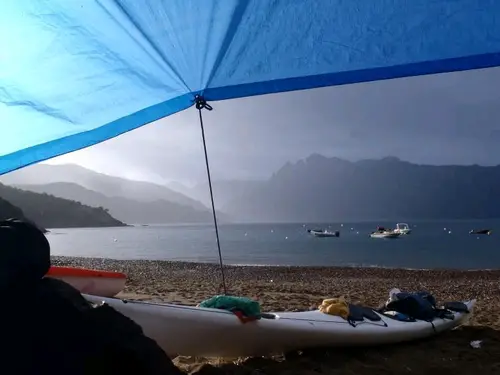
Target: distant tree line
(52,212)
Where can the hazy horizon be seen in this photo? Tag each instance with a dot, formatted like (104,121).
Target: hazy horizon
(264,178)
(319,189)
(438,119)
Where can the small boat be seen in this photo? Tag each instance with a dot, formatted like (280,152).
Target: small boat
(481,231)
(384,235)
(177,329)
(381,232)
(402,228)
(93,282)
(323,233)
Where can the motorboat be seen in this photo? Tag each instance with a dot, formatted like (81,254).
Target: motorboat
(323,233)
(384,235)
(481,231)
(402,228)
(382,232)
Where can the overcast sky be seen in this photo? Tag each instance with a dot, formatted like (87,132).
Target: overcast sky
(438,119)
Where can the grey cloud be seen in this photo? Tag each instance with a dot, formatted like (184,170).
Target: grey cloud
(449,118)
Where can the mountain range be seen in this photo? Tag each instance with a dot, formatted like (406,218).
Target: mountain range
(111,186)
(321,189)
(51,212)
(127,200)
(224,190)
(129,210)
(315,189)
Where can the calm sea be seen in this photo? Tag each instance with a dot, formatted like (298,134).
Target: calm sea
(431,245)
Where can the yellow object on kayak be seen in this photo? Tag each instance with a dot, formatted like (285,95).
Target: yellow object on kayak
(335,306)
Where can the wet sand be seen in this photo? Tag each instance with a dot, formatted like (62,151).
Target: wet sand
(303,288)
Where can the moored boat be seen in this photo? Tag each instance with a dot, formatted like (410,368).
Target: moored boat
(382,232)
(402,228)
(481,231)
(323,233)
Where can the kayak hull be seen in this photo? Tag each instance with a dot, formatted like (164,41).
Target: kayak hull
(193,331)
(93,282)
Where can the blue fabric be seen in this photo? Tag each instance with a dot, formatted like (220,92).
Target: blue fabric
(74,73)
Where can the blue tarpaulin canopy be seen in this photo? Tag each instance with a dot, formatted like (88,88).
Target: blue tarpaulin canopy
(74,73)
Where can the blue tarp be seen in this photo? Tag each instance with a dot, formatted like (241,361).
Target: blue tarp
(74,73)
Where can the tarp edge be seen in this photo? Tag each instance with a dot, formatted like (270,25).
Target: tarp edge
(482,61)
(66,145)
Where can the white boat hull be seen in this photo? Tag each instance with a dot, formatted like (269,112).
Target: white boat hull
(385,235)
(403,231)
(96,286)
(193,331)
(317,233)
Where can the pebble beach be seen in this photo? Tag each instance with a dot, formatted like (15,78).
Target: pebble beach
(303,288)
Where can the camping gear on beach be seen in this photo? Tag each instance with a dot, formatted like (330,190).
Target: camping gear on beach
(335,306)
(456,306)
(420,305)
(274,332)
(358,313)
(94,282)
(244,308)
(398,316)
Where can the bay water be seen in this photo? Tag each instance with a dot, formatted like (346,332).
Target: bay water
(432,244)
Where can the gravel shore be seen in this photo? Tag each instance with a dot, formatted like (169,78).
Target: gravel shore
(303,288)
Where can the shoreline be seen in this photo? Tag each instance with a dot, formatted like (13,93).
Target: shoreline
(290,288)
(303,288)
(93,260)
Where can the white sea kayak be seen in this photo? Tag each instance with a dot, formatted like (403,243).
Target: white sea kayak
(193,331)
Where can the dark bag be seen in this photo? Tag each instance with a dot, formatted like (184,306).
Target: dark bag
(456,306)
(359,313)
(415,306)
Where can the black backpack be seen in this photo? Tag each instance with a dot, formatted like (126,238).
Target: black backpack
(419,306)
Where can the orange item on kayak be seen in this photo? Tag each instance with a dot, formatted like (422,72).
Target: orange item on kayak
(57,271)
